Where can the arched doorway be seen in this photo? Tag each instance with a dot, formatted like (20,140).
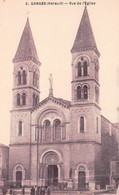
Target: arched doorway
(81,180)
(18,178)
(18,174)
(52,175)
(51,168)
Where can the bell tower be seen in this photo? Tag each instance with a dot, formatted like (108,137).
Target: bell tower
(85,65)
(85,81)
(26,93)
(26,72)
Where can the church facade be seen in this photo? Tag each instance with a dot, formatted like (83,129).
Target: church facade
(56,141)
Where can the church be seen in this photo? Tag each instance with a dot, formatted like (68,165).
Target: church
(57,141)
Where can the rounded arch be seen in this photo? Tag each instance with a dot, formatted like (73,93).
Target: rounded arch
(34,68)
(45,112)
(79,57)
(21,74)
(82,167)
(81,65)
(18,168)
(51,151)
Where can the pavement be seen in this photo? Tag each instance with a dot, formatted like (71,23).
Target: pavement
(97,192)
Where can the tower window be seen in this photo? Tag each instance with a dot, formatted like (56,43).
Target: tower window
(34,74)
(81,124)
(20,128)
(78,93)
(23,99)
(35,99)
(85,69)
(79,69)
(85,92)
(18,99)
(35,79)
(82,67)
(97,94)
(24,77)
(19,78)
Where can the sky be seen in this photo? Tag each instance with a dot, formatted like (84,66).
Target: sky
(54,28)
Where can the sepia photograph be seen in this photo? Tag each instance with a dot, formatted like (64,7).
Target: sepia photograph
(59,97)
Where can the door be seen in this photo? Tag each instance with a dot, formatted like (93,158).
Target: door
(18,178)
(81,180)
(52,175)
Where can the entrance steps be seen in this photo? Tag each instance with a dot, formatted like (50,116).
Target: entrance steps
(71,192)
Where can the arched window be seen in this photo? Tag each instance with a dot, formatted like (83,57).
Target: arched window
(47,128)
(33,99)
(79,69)
(81,124)
(20,128)
(18,99)
(85,68)
(82,66)
(37,99)
(24,77)
(97,94)
(34,76)
(19,78)
(78,92)
(23,99)
(35,79)
(85,92)
(57,129)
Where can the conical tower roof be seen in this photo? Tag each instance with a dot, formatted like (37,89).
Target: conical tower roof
(26,49)
(85,39)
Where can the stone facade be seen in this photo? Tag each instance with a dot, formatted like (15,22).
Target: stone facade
(56,141)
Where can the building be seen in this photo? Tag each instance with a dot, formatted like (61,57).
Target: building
(56,141)
(4,162)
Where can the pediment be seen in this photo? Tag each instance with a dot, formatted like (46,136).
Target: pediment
(58,101)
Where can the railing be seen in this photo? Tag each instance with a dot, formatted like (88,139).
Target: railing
(64,187)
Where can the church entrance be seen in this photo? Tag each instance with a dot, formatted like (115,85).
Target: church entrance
(52,175)
(18,178)
(81,180)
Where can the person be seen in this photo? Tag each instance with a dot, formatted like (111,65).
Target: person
(40,191)
(32,191)
(23,191)
(48,191)
(43,191)
(11,191)
(4,190)
(37,190)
